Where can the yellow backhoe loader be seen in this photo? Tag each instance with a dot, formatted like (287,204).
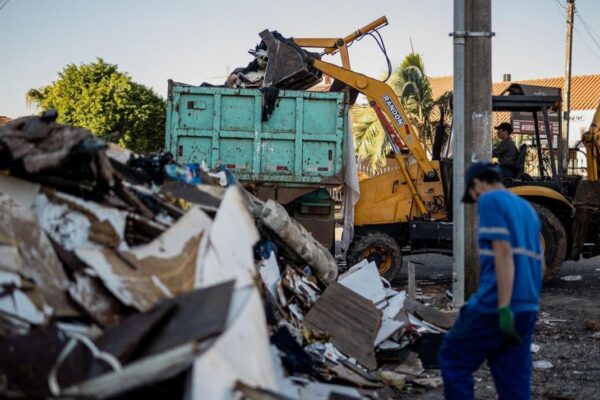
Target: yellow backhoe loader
(407,211)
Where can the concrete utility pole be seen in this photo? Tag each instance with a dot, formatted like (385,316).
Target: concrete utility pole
(472,130)
(566,93)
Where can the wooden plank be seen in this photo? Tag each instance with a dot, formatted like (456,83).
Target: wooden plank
(412,283)
(351,320)
(429,314)
(199,315)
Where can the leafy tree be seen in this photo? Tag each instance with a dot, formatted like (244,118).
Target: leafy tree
(411,84)
(99,97)
(414,90)
(370,142)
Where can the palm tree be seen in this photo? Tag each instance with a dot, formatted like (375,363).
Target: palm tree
(411,84)
(370,143)
(414,91)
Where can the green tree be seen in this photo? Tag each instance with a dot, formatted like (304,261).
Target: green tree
(99,97)
(412,86)
(414,90)
(370,141)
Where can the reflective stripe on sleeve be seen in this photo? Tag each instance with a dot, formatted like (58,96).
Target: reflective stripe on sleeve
(516,251)
(494,229)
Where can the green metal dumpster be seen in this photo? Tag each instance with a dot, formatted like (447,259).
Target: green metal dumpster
(302,143)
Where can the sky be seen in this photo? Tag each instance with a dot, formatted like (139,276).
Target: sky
(195,41)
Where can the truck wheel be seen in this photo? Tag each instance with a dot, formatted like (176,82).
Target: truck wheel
(377,247)
(554,240)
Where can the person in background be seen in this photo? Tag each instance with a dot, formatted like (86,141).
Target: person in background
(498,321)
(506,151)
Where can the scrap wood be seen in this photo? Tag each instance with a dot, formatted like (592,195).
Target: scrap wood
(10,259)
(40,263)
(128,338)
(146,274)
(192,194)
(21,191)
(432,382)
(93,297)
(351,320)
(19,301)
(410,365)
(348,375)
(74,222)
(198,315)
(190,317)
(394,379)
(303,289)
(429,314)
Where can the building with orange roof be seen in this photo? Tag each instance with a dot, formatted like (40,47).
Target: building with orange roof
(585,97)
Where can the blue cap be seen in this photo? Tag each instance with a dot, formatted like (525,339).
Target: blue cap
(474,171)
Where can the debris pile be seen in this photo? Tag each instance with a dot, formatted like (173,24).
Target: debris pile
(278,63)
(122,276)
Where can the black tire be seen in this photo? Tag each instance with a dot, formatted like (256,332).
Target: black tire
(384,250)
(554,239)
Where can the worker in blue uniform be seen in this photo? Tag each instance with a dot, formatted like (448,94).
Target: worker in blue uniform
(497,322)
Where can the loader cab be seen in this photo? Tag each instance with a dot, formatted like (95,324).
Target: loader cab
(535,114)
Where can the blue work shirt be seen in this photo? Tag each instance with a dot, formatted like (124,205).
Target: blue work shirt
(505,216)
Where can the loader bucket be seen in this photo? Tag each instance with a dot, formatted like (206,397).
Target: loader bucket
(289,66)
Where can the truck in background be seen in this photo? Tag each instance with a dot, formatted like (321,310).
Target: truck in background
(291,151)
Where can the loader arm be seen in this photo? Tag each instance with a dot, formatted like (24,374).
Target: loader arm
(289,65)
(381,95)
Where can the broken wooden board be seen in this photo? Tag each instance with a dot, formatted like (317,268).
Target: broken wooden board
(351,320)
(19,227)
(429,314)
(159,270)
(78,223)
(198,315)
(190,193)
(127,339)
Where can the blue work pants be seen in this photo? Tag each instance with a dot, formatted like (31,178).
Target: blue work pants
(475,338)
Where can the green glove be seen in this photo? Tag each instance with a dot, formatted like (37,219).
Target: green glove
(507,324)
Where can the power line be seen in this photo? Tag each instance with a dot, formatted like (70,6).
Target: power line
(561,4)
(588,29)
(585,23)
(590,48)
(587,45)
(4,4)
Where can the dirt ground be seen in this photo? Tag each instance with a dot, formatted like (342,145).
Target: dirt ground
(561,330)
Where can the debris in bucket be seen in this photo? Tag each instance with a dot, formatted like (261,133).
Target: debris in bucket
(118,276)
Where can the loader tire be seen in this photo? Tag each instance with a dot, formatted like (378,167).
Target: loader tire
(380,248)
(554,241)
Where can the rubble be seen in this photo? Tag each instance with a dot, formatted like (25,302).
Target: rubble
(120,277)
